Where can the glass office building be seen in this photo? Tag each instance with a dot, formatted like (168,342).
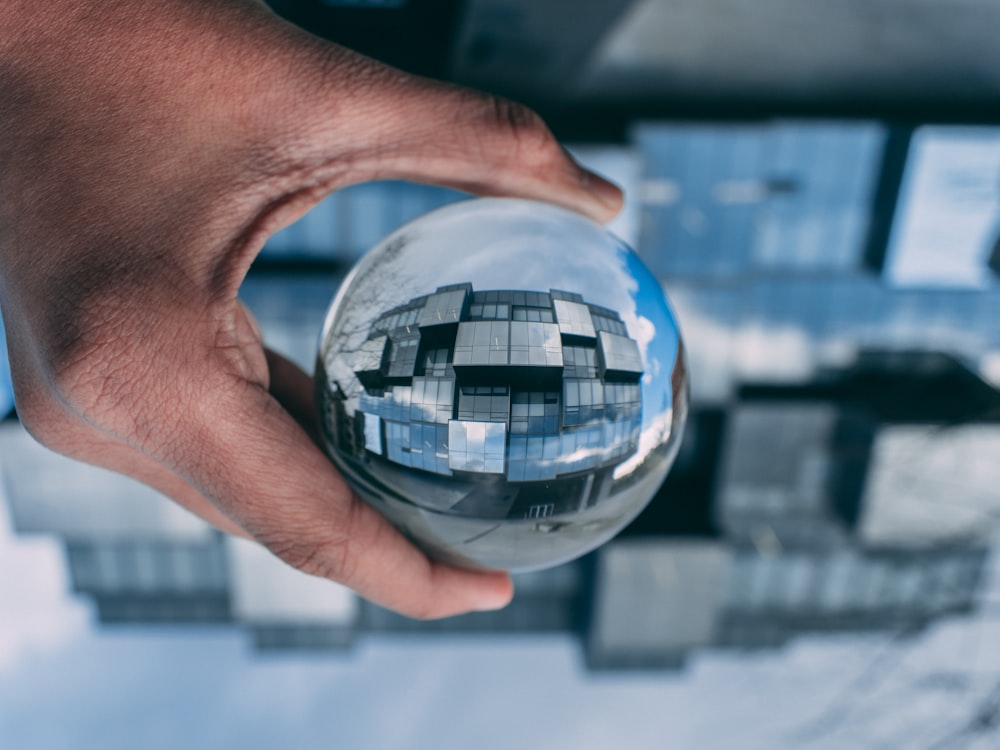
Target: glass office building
(520,385)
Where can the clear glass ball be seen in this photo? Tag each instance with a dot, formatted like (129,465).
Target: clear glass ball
(504,381)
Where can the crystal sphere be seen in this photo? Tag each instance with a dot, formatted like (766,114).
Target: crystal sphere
(504,381)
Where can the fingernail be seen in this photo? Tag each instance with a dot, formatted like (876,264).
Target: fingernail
(495,601)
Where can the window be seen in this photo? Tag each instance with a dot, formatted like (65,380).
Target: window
(432,400)
(619,353)
(436,362)
(484,403)
(491,311)
(623,400)
(574,318)
(535,344)
(373,433)
(477,446)
(584,401)
(396,319)
(403,357)
(532,457)
(534,412)
(579,362)
(370,355)
(482,343)
(533,314)
(541,511)
(418,445)
(443,307)
(620,439)
(608,324)
(580,449)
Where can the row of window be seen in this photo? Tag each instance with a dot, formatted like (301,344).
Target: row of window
(849,582)
(528,412)
(574,318)
(519,298)
(608,323)
(721,210)
(427,400)
(489,312)
(484,403)
(540,457)
(482,447)
(147,566)
(533,314)
(419,446)
(443,307)
(401,319)
(501,343)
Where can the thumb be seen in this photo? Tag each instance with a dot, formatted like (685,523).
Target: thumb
(366,121)
(487,145)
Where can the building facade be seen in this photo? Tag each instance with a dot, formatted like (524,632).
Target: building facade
(513,388)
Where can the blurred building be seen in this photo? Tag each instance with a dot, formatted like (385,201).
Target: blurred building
(838,472)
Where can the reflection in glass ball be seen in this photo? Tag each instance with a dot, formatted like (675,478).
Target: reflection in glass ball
(504,381)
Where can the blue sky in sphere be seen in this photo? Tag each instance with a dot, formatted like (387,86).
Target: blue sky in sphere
(6,390)
(657,391)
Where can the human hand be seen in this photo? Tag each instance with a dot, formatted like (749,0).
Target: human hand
(148,149)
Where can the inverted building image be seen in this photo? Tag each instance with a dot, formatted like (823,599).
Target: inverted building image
(530,397)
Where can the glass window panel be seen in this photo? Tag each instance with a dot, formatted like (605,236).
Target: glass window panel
(373,433)
(534,448)
(574,318)
(572,391)
(483,333)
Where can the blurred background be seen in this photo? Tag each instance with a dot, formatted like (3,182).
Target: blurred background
(817,186)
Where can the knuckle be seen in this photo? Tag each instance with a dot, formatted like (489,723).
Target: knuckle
(524,130)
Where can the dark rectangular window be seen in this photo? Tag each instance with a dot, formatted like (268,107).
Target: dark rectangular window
(489,311)
(611,325)
(579,362)
(436,362)
(533,314)
(484,403)
(534,412)
(403,356)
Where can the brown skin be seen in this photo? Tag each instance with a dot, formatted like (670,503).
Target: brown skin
(148,149)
